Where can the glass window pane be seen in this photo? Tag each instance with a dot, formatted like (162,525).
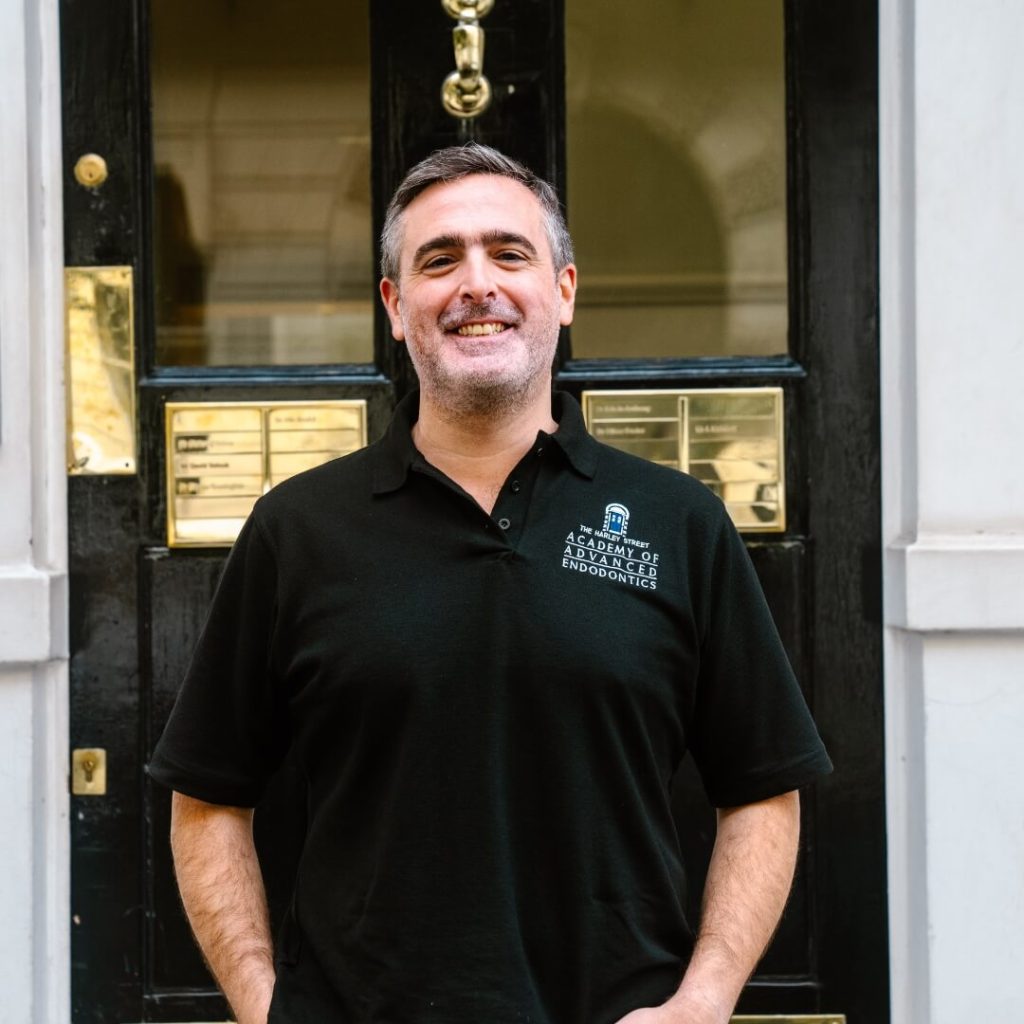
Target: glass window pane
(677,177)
(261,139)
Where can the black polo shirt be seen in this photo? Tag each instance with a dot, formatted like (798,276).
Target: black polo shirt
(488,710)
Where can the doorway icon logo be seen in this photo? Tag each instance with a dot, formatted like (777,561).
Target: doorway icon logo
(616,519)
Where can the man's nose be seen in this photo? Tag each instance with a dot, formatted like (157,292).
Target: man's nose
(478,281)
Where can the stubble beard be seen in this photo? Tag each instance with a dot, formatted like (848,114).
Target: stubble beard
(499,395)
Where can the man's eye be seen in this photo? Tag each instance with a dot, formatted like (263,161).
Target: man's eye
(438,262)
(511,256)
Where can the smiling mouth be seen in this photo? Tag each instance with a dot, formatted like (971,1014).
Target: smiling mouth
(478,330)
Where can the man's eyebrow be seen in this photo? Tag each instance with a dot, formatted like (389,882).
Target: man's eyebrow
(488,238)
(508,238)
(438,242)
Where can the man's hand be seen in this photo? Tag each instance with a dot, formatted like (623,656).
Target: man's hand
(677,1012)
(222,890)
(680,1009)
(749,878)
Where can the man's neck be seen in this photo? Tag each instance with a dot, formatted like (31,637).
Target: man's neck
(479,451)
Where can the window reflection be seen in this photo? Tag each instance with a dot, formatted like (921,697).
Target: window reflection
(677,177)
(261,201)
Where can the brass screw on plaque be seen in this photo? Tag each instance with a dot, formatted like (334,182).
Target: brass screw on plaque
(91,170)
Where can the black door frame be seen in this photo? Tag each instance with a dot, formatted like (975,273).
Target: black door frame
(832,393)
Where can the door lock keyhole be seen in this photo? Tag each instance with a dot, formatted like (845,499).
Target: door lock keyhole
(89,771)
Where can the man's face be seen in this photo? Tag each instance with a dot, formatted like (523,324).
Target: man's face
(478,301)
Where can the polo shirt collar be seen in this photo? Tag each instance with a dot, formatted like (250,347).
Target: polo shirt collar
(396,454)
(572,435)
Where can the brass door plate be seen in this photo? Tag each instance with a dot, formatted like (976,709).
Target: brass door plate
(89,771)
(221,456)
(100,339)
(731,439)
(790,1018)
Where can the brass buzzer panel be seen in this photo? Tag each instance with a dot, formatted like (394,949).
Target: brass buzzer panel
(731,439)
(100,339)
(222,456)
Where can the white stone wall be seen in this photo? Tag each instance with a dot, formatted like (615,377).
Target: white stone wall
(952,238)
(34,900)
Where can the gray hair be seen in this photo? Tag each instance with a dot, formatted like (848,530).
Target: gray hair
(453,163)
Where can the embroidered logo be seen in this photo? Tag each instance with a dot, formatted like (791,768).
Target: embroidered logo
(616,519)
(609,554)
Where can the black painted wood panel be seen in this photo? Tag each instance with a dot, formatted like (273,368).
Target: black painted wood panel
(177,591)
(835,169)
(100,108)
(106,867)
(101,227)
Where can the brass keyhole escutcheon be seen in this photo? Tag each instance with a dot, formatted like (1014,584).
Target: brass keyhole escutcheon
(89,771)
(91,170)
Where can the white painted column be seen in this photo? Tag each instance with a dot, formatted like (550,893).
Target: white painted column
(952,250)
(34,892)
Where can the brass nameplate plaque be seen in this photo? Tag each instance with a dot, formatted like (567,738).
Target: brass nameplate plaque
(789,1018)
(222,456)
(100,340)
(731,439)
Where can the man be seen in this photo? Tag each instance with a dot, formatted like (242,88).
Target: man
(487,641)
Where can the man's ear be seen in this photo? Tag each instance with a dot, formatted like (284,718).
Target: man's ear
(567,293)
(392,305)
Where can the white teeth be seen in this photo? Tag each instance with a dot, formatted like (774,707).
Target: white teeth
(474,330)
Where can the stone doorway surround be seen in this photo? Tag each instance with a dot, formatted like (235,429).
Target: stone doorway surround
(34,890)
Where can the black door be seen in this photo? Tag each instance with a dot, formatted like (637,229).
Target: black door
(719,164)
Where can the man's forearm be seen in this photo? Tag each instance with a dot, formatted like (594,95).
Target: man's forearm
(748,883)
(222,890)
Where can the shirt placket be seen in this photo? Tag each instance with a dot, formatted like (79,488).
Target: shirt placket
(512,507)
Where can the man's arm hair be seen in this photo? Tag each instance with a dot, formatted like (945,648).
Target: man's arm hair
(748,883)
(222,891)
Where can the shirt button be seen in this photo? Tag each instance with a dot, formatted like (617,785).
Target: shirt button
(504,523)
(540,450)
(515,487)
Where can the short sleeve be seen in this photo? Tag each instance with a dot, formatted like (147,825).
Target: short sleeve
(752,735)
(226,733)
